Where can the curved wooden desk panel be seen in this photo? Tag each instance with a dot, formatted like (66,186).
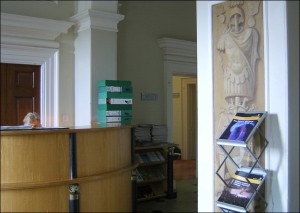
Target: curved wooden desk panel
(33,158)
(103,151)
(35,170)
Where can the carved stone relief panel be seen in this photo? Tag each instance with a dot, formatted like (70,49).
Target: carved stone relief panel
(238,55)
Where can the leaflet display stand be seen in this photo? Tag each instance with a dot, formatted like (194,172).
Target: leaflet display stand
(244,185)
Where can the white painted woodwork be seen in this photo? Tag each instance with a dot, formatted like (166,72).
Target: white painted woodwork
(32,27)
(180,58)
(31,40)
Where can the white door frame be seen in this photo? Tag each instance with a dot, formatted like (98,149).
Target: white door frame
(180,58)
(186,151)
(47,58)
(31,40)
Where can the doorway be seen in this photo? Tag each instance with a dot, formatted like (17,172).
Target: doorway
(189,115)
(185,115)
(184,109)
(47,59)
(20,92)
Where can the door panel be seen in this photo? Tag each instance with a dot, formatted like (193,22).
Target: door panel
(189,118)
(192,120)
(23,106)
(3,94)
(22,92)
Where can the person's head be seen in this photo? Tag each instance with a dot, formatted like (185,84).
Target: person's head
(32,119)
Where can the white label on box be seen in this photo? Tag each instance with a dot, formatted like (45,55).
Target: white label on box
(113,119)
(113,124)
(114,101)
(113,89)
(113,113)
(119,101)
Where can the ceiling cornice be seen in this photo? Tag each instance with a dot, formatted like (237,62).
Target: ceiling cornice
(32,27)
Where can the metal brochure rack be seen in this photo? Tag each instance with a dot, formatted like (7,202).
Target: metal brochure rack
(153,177)
(228,201)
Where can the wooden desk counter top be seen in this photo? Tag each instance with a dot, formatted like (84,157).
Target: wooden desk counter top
(35,169)
(53,130)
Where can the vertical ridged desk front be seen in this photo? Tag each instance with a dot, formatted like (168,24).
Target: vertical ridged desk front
(35,170)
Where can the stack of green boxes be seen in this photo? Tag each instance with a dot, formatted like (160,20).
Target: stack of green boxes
(114,102)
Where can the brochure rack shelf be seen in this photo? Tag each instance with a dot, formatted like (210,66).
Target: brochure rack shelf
(242,187)
(151,172)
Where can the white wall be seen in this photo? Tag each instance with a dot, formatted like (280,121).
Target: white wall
(206,171)
(293,67)
(280,191)
(277,122)
(140,59)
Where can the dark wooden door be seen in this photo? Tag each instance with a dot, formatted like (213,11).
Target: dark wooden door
(20,92)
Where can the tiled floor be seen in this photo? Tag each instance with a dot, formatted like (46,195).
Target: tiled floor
(186,200)
(186,188)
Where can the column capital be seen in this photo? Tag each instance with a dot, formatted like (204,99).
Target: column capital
(95,19)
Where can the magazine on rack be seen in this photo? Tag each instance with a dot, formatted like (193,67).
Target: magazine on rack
(241,189)
(241,128)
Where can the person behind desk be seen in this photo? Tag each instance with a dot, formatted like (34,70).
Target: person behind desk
(32,119)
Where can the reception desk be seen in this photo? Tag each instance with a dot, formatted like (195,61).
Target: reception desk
(38,167)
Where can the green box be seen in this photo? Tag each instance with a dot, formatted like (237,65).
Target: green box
(102,95)
(115,89)
(112,113)
(114,107)
(113,83)
(115,101)
(116,119)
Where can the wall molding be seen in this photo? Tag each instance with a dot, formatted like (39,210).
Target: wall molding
(32,27)
(28,42)
(178,50)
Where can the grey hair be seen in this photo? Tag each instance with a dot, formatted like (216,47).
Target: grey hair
(31,116)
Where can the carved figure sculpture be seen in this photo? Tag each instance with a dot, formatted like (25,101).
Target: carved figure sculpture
(238,48)
(239,45)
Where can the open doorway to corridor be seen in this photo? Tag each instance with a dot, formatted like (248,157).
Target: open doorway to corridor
(185,115)
(185,125)
(184,133)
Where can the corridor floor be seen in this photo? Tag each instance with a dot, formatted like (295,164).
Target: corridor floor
(186,188)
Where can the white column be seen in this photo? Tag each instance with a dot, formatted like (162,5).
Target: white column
(95,54)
